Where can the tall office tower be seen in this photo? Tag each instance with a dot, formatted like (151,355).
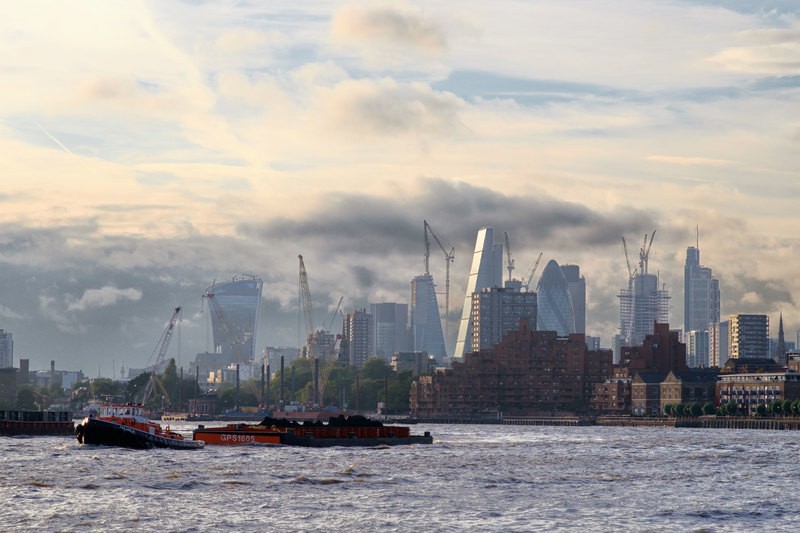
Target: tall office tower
(496,311)
(486,272)
(390,328)
(234,307)
(6,349)
(697,345)
(577,293)
(718,344)
(748,336)
(426,325)
(555,312)
(592,343)
(700,294)
(357,332)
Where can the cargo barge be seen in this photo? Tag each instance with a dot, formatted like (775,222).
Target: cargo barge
(340,431)
(35,423)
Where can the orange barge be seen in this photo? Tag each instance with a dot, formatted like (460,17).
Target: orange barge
(341,431)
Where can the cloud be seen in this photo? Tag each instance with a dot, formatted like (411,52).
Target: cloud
(103,297)
(5,312)
(690,161)
(386,107)
(388,25)
(766,51)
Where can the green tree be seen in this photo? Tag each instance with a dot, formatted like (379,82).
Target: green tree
(796,407)
(708,408)
(679,409)
(731,408)
(786,408)
(774,407)
(135,388)
(669,409)
(376,368)
(761,409)
(695,410)
(26,399)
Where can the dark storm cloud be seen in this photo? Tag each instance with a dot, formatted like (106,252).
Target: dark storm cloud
(743,293)
(371,225)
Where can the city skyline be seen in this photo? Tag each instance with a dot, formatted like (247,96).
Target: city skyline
(152,147)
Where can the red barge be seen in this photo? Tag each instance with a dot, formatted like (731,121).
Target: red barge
(341,431)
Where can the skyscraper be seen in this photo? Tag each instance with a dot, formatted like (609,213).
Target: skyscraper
(496,311)
(748,336)
(6,349)
(577,293)
(426,325)
(697,345)
(390,328)
(555,311)
(486,272)
(718,344)
(700,294)
(234,307)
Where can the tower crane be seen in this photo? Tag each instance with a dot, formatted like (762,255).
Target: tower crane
(628,333)
(644,252)
(163,344)
(305,296)
(509,260)
(527,281)
(449,256)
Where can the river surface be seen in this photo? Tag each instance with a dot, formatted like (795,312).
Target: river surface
(473,478)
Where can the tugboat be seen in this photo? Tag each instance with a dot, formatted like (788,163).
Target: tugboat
(354,430)
(126,425)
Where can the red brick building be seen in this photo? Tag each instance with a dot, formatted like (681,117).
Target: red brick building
(527,372)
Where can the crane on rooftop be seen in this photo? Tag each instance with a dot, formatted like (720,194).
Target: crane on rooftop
(527,281)
(449,256)
(509,260)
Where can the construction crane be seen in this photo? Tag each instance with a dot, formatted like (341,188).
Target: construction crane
(644,252)
(628,333)
(305,296)
(329,325)
(509,260)
(158,366)
(449,256)
(527,281)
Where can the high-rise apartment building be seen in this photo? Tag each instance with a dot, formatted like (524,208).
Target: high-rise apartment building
(357,333)
(486,271)
(390,328)
(748,336)
(577,292)
(6,349)
(235,307)
(426,324)
(497,311)
(555,310)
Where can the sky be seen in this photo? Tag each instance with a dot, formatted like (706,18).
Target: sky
(150,148)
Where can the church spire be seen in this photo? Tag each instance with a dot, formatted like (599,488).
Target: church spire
(780,349)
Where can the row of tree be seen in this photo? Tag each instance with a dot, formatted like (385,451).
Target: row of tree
(774,408)
(362,388)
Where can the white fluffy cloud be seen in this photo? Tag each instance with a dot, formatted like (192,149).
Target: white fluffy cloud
(103,297)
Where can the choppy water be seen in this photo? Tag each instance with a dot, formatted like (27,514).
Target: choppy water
(473,478)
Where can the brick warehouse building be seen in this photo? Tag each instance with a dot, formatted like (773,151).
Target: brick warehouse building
(527,372)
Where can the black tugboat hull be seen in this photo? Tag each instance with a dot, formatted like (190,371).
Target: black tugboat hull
(104,433)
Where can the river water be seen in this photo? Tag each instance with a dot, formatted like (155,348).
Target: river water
(473,478)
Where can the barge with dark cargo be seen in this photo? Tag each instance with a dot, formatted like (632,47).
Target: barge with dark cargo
(35,423)
(339,431)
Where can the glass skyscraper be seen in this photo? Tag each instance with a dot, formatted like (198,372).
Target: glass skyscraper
(555,311)
(426,323)
(234,316)
(390,328)
(486,272)
(700,294)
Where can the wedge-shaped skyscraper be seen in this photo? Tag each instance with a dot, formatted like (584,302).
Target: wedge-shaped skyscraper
(234,307)
(486,272)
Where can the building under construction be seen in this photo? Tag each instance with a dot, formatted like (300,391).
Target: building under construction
(642,303)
